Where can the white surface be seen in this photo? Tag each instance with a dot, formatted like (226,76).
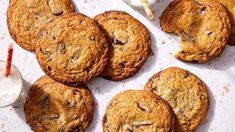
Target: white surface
(11,86)
(218,74)
(138,2)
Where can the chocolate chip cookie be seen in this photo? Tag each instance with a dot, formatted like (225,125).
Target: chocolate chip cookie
(72,49)
(185,92)
(129,47)
(26,18)
(230,4)
(138,111)
(54,107)
(203,27)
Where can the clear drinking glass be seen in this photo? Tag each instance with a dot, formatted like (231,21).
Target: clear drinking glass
(11,86)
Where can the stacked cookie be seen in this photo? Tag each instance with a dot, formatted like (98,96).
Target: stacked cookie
(72,49)
(173,100)
(204,27)
(54,107)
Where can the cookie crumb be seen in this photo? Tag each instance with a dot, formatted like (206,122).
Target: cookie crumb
(226,89)
(163,42)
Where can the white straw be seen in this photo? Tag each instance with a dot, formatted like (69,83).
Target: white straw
(147,9)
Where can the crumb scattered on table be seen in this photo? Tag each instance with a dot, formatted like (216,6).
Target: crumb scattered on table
(225,89)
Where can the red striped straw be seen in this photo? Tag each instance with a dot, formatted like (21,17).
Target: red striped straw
(9,59)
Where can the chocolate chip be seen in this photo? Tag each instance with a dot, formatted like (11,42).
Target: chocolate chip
(116,41)
(153,89)
(202,11)
(184,75)
(56,9)
(143,107)
(74,59)
(75,129)
(46,53)
(120,37)
(45,102)
(104,119)
(188,37)
(75,56)
(61,48)
(122,65)
(58,13)
(49,68)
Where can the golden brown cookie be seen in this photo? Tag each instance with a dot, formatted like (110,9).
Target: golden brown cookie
(72,49)
(230,5)
(130,44)
(203,27)
(26,18)
(138,111)
(54,107)
(185,92)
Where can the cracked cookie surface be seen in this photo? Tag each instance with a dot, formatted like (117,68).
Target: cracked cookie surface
(26,18)
(186,94)
(72,49)
(230,5)
(138,111)
(203,27)
(55,107)
(129,44)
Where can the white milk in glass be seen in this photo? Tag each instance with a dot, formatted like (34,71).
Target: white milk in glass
(138,2)
(11,86)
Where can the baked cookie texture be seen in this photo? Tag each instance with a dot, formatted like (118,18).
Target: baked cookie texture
(55,107)
(129,47)
(72,49)
(138,111)
(230,4)
(203,27)
(186,94)
(26,18)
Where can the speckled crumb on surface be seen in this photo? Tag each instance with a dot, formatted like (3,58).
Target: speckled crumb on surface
(225,90)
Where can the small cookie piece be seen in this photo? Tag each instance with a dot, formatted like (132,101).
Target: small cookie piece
(55,107)
(230,4)
(130,44)
(185,92)
(26,18)
(138,111)
(203,27)
(72,49)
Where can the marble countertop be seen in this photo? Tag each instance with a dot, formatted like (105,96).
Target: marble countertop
(218,74)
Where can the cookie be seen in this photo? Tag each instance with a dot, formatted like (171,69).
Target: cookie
(72,49)
(186,94)
(129,44)
(138,111)
(230,4)
(26,18)
(55,107)
(203,27)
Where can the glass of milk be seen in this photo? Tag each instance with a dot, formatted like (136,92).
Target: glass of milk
(138,3)
(11,86)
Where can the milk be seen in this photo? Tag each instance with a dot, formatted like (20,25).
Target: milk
(11,86)
(138,2)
